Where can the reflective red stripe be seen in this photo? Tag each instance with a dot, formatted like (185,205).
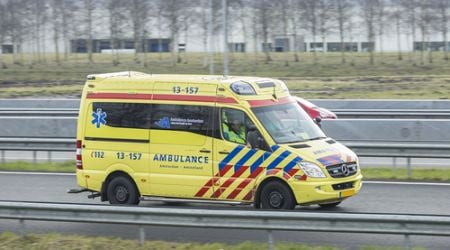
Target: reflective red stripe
(289,174)
(229,181)
(161,97)
(248,196)
(268,102)
(211,181)
(119,96)
(244,183)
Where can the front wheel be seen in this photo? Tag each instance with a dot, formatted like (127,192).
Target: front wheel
(276,195)
(122,191)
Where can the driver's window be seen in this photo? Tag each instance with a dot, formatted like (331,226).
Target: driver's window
(234,125)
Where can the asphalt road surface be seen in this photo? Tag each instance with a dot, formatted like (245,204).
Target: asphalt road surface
(375,197)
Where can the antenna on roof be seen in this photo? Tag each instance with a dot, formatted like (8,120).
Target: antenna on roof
(129,73)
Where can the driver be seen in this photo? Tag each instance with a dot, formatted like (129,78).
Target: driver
(234,130)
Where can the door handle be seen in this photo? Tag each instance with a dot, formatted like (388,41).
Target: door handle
(205,151)
(224,152)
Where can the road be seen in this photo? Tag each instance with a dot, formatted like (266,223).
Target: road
(375,197)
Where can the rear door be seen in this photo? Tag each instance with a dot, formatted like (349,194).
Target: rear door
(117,137)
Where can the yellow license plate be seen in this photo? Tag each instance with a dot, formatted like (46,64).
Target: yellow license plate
(347,193)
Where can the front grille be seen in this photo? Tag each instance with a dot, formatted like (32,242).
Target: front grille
(343,169)
(342,186)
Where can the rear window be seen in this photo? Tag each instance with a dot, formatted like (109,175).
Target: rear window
(124,115)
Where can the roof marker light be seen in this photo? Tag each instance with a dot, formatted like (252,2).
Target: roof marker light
(242,88)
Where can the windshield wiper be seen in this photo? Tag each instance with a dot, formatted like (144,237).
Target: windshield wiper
(316,138)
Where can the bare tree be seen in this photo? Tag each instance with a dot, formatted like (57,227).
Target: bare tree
(424,22)
(442,16)
(138,14)
(324,14)
(172,12)
(369,14)
(264,14)
(344,10)
(309,14)
(396,16)
(3,29)
(410,18)
(116,10)
(283,18)
(89,7)
(381,21)
(68,8)
(55,7)
(295,19)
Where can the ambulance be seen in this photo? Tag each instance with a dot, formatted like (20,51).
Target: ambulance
(235,140)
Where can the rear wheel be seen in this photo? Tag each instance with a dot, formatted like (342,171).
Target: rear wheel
(330,205)
(121,190)
(276,195)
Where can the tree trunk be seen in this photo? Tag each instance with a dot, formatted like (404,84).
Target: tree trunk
(397,25)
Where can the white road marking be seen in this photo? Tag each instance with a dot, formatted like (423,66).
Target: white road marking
(406,183)
(36,173)
(364,182)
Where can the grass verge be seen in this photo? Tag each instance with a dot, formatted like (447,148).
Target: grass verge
(388,78)
(61,242)
(385,173)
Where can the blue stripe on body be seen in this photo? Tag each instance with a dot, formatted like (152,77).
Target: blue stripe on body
(292,164)
(230,156)
(277,160)
(244,159)
(259,161)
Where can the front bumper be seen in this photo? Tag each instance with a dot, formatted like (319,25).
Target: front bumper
(326,191)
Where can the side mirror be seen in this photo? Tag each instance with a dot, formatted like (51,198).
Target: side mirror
(255,139)
(318,120)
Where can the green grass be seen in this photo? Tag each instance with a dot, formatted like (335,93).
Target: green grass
(385,173)
(11,241)
(401,174)
(65,167)
(388,78)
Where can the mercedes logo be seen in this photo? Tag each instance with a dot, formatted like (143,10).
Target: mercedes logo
(345,170)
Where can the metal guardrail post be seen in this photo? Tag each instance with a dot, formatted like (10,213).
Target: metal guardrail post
(22,228)
(141,235)
(408,167)
(3,157)
(34,157)
(270,242)
(394,162)
(49,156)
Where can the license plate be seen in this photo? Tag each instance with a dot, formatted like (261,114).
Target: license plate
(347,193)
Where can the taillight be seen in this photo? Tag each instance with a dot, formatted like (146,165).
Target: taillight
(79,159)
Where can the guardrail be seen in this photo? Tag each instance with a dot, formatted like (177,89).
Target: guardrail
(393,149)
(398,224)
(341,113)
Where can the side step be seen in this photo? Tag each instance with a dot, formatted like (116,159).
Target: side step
(164,199)
(77,190)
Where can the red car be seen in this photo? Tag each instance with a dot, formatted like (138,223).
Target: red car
(314,111)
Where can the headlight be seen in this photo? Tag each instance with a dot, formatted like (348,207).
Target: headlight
(311,169)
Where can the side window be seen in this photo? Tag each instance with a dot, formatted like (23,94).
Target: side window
(195,119)
(124,115)
(235,124)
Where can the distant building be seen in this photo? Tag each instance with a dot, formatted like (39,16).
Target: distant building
(7,49)
(148,45)
(434,46)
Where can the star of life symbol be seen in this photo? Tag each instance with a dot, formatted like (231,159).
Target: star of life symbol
(99,117)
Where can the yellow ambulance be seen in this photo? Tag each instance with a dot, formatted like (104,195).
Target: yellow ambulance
(206,138)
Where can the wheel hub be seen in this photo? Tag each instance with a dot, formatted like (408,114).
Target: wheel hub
(121,194)
(275,199)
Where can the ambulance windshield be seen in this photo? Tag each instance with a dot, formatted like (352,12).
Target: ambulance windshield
(288,123)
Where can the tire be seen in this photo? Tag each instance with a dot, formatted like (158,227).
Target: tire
(121,190)
(330,205)
(276,195)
